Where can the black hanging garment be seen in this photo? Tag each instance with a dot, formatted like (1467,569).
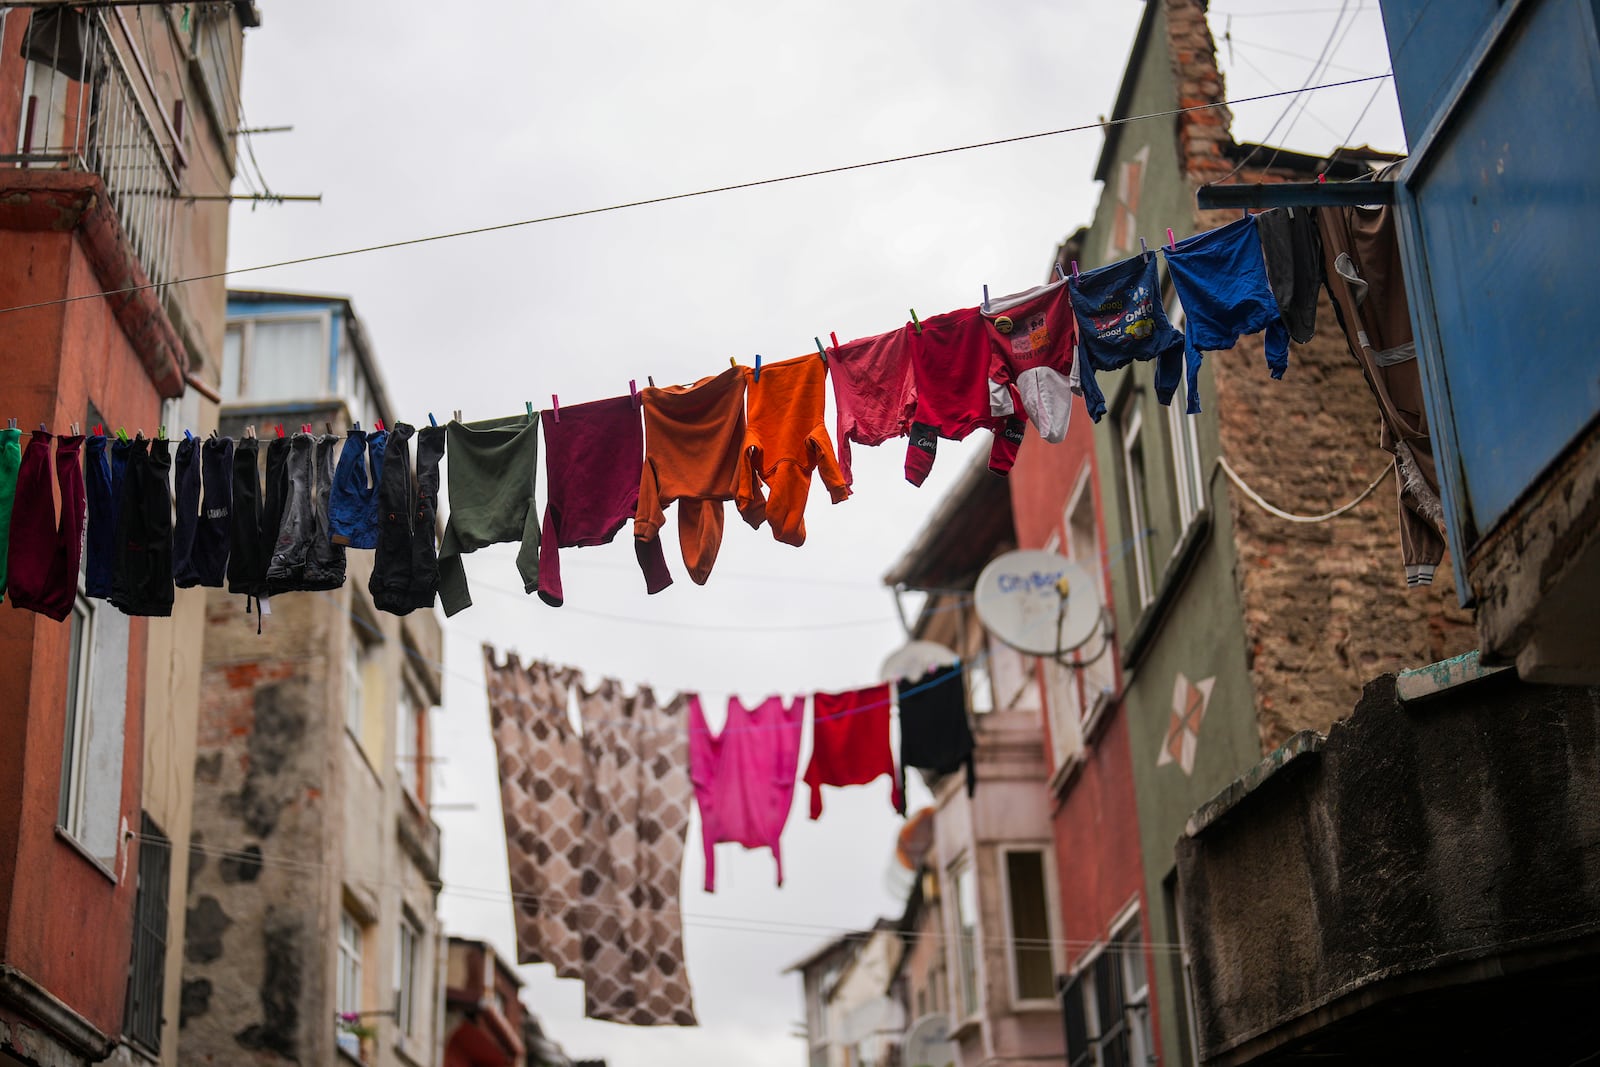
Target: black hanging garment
(934,733)
(304,557)
(1292,247)
(141,579)
(200,533)
(247,568)
(405,567)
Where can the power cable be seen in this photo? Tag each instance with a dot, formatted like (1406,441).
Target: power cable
(1316,72)
(407,242)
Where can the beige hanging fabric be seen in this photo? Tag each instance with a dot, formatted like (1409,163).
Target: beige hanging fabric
(541,785)
(637,796)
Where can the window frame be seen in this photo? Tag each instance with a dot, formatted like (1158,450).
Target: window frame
(408,934)
(969,950)
(1130,436)
(1046,884)
(412,741)
(1104,965)
(1184,441)
(75,736)
(246,326)
(349,975)
(148,956)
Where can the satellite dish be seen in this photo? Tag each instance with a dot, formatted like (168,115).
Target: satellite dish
(1037,602)
(928,1043)
(916,659)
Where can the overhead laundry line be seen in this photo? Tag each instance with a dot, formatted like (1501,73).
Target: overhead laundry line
(844,168)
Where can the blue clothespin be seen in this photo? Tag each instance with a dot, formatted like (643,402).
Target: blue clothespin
(431,420)
(820,350)
(756,375)
(187,436)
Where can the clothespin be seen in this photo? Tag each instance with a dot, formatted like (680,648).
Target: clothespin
(651,380)
(1074,270)
(986,298)
(77,428)
(122,435)
(378,423)
(1061,274)
(756,374)
(187,436)
(99,430)
(820,351)
(732,362)
(915,321)
(214,434)
(11,424)
(431,420)
(279,428)
(43,428)
(555,406)
(355,425)
(1172,242)
(161,432)
(529,405)
(328,426)
(1144,249)
(633,391)
(456,414)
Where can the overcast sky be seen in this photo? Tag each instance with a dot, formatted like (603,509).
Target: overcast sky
(416,118)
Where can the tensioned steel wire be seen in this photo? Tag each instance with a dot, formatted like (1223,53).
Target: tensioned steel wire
(731,187)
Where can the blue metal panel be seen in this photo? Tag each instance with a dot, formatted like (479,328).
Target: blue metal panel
(1429,42)
(1505,207)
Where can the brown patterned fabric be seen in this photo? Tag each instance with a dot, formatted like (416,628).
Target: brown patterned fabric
(541,780)
(637,795)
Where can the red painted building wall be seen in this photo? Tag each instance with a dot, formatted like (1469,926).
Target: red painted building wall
(1095,817)
(65,922)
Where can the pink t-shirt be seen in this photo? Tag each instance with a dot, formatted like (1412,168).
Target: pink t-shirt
(873,390)
(744,777)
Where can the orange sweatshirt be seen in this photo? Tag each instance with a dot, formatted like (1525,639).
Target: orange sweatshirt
(693,437)
(784,441)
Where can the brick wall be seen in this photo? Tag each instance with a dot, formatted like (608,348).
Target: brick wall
(1326,604)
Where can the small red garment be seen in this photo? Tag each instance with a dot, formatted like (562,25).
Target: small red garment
(850,743)
(44,553)
(953,362)
(873,390)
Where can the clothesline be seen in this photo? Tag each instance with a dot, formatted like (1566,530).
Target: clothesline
(384,246)
(730,923)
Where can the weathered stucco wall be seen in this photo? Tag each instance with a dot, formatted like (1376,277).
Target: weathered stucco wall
(1425,847)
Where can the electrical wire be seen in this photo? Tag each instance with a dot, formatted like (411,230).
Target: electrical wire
(1316,72)
(252,856)
(1257,499)
(844,168)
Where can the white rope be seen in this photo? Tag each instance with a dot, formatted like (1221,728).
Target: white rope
(1286,516)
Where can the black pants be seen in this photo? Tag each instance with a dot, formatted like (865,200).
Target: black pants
(247,569)
(141,579)
(304,557)
(405,569)
(200,531)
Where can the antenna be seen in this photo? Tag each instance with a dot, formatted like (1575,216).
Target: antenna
(1037,602)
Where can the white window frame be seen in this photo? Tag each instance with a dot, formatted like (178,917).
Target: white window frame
(1046,873)
(75,737)
(1092,559)
(355,683)
(94,743)
(348,976)
(407,968)
(1185,449)
(1130,429)
(409,746)
(969,950)
(328,389)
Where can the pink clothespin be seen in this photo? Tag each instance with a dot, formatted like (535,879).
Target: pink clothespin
(1074,270)
(834,338)
(633,391)
(1172,242)
(555,406)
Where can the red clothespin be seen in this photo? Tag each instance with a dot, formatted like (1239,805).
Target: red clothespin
(835,339)
(99,430)
(555,406)
(633,391)
(279,428)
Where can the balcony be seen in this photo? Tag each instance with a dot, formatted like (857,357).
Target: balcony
(82,108)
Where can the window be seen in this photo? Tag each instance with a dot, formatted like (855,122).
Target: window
(1098,676)
(1125,216)
(355,683)
(1107,1005)
(276,359)
(147,971)
(1130,430)
(1027,902)
(966,914)
(347,979)
(405,979)
(410,747)
(1190,485)
(89,806)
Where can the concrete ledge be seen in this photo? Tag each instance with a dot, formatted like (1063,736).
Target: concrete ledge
(1436,678)
(1302,746)
(71,1038)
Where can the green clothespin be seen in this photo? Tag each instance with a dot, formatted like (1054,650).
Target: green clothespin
(916,321)
(529,405)
(184,22)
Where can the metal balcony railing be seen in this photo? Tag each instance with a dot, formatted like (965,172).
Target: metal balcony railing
(82,110)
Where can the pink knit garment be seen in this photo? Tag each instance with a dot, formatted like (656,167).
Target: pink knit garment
(744,778)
